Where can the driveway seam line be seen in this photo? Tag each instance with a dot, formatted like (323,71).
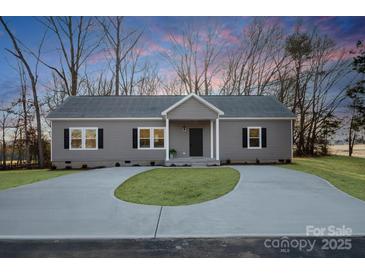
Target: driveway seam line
(158,222)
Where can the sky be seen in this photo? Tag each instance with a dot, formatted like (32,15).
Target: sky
(345,31)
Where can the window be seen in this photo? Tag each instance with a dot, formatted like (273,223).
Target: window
(83,138)
(151,138)
(76,138)
(158,137)
(144,138)
(90,138)
(254,137)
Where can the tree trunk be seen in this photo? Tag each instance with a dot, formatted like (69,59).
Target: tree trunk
(301,132)
(14,142)
(4,146)
(117,58)
(26,134)
(297,87)
(39,127)
(117,71)
(350,138)
(73,83)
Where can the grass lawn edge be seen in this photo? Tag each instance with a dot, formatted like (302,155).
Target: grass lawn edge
(23,177)
(230,188)
(351,184)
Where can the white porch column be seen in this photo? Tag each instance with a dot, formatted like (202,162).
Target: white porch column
(211,139)
(217,139)
(167,144)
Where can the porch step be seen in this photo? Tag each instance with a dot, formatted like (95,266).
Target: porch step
(192,162)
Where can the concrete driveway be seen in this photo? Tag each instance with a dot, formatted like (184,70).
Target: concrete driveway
(267,201)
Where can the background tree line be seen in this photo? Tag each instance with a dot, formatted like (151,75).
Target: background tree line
(303,69)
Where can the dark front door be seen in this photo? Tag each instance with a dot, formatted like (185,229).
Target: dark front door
(196,141)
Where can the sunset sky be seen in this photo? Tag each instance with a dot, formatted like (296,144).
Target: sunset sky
(344,30)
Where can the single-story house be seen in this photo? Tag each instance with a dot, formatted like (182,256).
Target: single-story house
(97,131)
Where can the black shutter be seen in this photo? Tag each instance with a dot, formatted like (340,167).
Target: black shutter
(66,138)
(100,138)
(244,137)
(135,137)
(263,137)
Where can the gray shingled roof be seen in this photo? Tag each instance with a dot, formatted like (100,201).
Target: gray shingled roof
(152,106)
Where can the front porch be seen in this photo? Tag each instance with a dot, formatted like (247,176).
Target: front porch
(192,132)
(192,143)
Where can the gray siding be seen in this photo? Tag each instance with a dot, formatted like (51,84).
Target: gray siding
(278,140)
(117,144)
(192,109)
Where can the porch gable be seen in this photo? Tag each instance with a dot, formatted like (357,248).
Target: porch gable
(192,107)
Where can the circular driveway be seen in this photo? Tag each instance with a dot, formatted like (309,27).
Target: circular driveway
(268,201)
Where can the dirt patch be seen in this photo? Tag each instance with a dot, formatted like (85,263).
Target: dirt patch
(359,150)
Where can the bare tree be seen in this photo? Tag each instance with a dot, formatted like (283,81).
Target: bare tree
(120,43)
(129,72)
(304,71)
(149,83)
(193,56)
(316,70)
(324,93)
(55,92)
(33,77)
(73,36)
(299,48)
(99,86)
(4,124)
(255,62)
(172,86)
(356,95)
(24,112)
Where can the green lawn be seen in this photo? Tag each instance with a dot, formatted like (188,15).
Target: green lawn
(346,173)
(178,186)
(14,178)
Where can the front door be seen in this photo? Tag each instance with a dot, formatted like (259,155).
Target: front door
(196,141)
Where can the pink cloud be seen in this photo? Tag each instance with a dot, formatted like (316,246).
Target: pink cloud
(273,21)
(340,54)
(323,19)
(351,40)
(168,74)
(227,35)
(176,38)
(216,82)
(100,56)
(343,53)
(152,48)
(347,46)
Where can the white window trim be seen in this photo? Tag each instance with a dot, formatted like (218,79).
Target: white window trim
(152,138)
(83,138)
(248,138)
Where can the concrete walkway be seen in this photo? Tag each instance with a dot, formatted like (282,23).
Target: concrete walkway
(267,201)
